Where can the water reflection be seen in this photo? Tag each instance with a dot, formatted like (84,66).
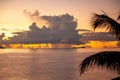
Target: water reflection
(43,65)
(47,64)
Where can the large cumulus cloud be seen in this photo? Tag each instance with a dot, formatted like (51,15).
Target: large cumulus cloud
(63,22)
(54,29)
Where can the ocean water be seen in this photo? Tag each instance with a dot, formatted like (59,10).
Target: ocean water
(49,64)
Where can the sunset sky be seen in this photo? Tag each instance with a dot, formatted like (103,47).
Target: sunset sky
(13,18)
(11,11)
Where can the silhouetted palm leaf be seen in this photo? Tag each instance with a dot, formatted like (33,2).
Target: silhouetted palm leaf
(107,59)
(117,78)
(104,21)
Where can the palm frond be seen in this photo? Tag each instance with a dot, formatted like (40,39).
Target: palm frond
(117,78)
(104,21)
(107,59)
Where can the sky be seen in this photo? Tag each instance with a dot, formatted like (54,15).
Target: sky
(11,11)
(18,15)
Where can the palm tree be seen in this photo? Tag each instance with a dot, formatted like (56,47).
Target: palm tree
(104,21)
(108,59)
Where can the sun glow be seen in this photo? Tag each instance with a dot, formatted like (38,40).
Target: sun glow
(91,44)
(102,44)
(43,45)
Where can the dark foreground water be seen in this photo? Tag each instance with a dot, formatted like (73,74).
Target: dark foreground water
(48,64)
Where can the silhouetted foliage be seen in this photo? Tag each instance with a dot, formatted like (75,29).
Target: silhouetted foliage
(117,78)
(108,59)
(104,21)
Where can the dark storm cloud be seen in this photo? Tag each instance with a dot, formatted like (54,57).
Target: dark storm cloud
(98,36)
(44,35)
(17,38)
(56,29)
(59,29)
(62,22)
(38,34)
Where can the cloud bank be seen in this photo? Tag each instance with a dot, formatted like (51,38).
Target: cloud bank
(54,29)
(98,36)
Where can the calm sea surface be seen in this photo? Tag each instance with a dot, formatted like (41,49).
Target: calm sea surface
(49,64)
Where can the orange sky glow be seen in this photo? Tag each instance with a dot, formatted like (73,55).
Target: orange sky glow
(12,18)
(12,11)
(91,44)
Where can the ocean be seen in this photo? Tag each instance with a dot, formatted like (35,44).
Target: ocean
(49,64)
